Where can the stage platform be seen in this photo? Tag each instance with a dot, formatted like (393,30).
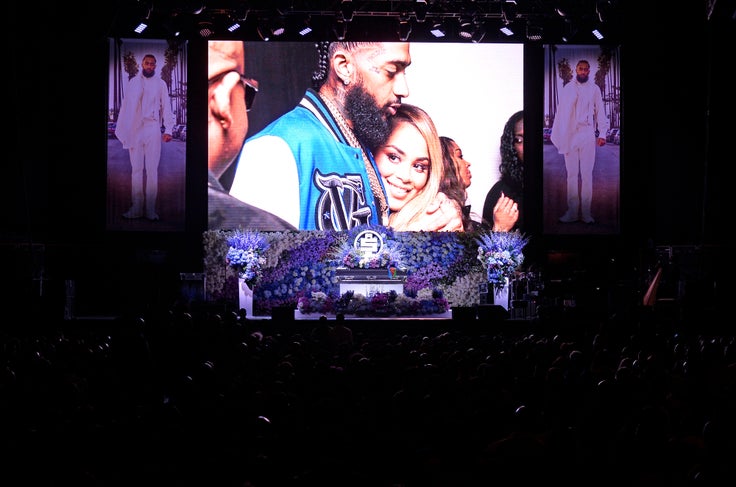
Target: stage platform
(298,315)
(470,313)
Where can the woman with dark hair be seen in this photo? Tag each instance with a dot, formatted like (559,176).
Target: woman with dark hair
(456,179)
(504,201)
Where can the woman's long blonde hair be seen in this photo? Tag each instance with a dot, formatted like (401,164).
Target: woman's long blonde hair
(414,209)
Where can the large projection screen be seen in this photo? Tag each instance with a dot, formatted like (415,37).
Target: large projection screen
(469,90)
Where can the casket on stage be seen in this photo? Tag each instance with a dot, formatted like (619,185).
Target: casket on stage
(371,281)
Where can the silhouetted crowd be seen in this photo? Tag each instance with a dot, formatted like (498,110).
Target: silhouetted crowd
(183,398)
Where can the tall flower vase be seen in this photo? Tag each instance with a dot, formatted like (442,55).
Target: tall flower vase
(245,296)
(500,294)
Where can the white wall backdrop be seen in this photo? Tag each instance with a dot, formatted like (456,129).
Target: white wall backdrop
(469,90)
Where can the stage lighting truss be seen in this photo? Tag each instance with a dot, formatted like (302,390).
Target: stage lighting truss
(464,19)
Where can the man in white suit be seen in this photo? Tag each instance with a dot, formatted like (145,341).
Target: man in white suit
(145,119)
(580,124)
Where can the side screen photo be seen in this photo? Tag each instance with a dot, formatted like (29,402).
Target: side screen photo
(146,136)
(582,140)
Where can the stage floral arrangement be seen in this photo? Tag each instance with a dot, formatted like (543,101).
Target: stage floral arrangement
(290,266)
(245,254)
(427,302)
(501,254)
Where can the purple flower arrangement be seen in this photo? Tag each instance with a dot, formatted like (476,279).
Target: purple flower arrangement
(501,253)
(378,304)
(245,254)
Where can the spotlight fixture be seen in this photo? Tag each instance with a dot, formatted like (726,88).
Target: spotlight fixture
(479,32)
(237,19)
(570,31)
(347,10)
(340,28)
(598,34)
(420,11)
(466,28)
(143,24)
(306,27)
(205,29)
(404,29)
(263,29)
(171,26)
(438,29)
(508,11)
(277,26)
(534,31)
(268,28)
(602,9)
(508,14)
(564,8)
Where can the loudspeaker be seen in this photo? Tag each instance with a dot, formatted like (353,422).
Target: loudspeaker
(193,286)
(282,313)
(492,312)
(463,313)
(485,296)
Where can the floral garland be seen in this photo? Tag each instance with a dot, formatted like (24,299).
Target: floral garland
(245,254)
(389,303)
(501,253)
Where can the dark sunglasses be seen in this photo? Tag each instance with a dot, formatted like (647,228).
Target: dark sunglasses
(250,90)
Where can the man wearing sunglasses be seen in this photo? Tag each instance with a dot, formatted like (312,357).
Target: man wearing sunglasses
(230,95)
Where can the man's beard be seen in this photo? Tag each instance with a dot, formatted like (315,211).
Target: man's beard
(369,122)
(148,73)
(581,78)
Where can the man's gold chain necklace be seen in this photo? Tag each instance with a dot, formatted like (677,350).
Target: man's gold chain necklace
(378,194)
